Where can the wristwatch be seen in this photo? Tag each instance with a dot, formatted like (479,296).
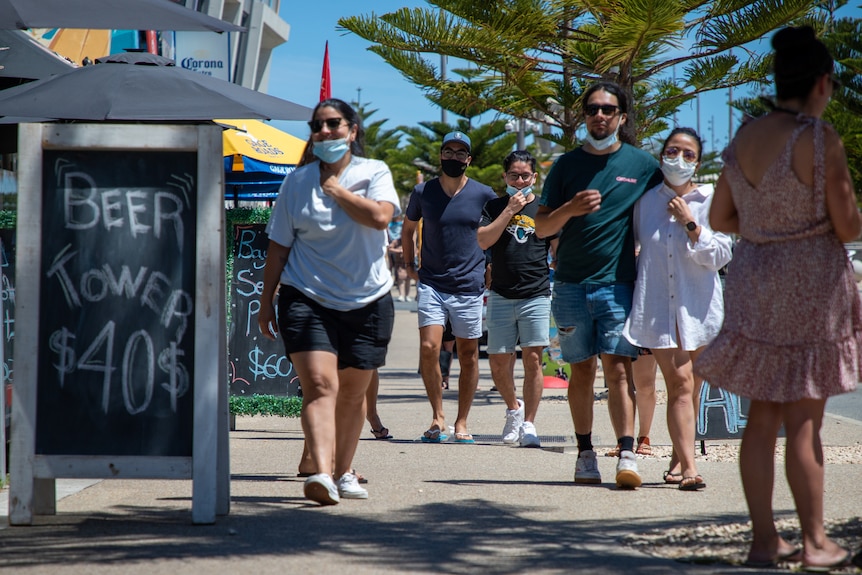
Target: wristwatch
(691,226)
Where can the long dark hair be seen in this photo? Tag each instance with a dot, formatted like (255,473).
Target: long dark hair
(800,59)
(357,147)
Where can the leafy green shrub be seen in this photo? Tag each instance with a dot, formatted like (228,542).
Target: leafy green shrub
(265,405)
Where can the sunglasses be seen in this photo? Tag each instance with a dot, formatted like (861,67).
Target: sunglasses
(687,155)
(605,109)
(331,123)
(515,177)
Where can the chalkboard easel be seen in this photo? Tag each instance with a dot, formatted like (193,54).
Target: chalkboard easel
(121,349)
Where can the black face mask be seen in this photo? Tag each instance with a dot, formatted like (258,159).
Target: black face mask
(453,168)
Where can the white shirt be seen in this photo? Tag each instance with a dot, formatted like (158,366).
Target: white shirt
(677,287)
(334,260)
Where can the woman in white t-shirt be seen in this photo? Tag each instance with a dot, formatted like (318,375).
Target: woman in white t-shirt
(677,306)
(327,257)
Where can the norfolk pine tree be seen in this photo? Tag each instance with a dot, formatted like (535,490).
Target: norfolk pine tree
(533,58)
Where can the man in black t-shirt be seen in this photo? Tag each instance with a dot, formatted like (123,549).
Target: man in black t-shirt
(519,305)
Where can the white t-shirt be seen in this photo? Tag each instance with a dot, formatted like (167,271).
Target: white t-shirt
(677,286)
(334,260)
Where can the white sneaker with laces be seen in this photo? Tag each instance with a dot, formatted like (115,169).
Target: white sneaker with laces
(587,468)
(627,471)
(529,437)
(349,488)
(320,488)
(514,421)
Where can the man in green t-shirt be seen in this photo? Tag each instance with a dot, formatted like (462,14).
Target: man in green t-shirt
(588,197)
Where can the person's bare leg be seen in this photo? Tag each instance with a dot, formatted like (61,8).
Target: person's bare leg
(534,381)
(349,416)
(676,368)
(504,380)
(804,467)
(643,372)
(468,379)
(371,393)
(757,468)
(430,338)
(582,395)
(621,400)
(318,372)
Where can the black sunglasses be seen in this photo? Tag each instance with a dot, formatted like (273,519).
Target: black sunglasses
(606,109)
(331,123)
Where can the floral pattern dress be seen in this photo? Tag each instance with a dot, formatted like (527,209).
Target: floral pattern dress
(793,321)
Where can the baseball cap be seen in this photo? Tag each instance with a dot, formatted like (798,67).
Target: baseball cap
(459,137)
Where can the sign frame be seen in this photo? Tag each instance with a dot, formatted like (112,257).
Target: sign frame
(33,485)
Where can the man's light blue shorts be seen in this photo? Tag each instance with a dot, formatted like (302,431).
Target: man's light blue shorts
(509,320)
(463,311)
(590,319)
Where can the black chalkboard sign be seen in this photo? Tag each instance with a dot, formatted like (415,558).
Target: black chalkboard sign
(257,364)
(116,328)
(721,414)
(7,293)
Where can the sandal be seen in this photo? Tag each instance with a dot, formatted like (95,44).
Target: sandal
(644,446)
(691,483)
(382,433)
(615,452)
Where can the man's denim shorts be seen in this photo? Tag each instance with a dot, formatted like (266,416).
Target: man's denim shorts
(463,311)
(511,320)
(590,319)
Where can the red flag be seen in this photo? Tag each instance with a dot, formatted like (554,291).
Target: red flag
(325,81)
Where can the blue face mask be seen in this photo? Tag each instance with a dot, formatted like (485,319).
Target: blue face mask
(330,151)
(512,190)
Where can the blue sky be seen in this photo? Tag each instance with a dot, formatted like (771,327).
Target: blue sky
(356,72)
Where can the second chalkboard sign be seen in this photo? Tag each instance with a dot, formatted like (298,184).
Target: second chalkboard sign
(257,364)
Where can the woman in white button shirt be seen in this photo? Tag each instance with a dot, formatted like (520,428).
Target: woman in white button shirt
(677,306)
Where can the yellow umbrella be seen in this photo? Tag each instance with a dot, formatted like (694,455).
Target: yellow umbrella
(257,157)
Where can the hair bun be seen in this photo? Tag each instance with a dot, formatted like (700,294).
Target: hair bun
(794,39)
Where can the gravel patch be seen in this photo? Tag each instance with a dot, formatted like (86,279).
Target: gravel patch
(728,543)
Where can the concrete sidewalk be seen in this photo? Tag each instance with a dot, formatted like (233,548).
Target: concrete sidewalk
(484,508)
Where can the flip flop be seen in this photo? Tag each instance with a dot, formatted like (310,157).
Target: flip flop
(382,433)
(464,438)
(843,562)
(672,478)
(691,483)
(434,436)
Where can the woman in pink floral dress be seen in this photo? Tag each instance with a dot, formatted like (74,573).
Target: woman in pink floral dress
(792,332)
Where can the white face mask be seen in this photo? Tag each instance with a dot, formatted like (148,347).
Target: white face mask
(605,142)
(677,171)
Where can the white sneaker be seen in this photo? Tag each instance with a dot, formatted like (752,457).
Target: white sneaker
(514,421)
(587,468)
(401,298)
(320,488)
(627,471)
(349,488)
(529,437)
(409,298)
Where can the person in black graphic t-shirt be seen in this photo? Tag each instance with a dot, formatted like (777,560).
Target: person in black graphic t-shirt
(519,305)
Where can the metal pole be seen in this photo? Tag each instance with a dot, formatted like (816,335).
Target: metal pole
(443,77)
(521,129)
(729,114)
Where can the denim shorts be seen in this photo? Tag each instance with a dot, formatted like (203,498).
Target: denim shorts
(463,311)
(359,337)
(590,319)
(511,320)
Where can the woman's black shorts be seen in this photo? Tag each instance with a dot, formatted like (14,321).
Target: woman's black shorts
(358,337)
